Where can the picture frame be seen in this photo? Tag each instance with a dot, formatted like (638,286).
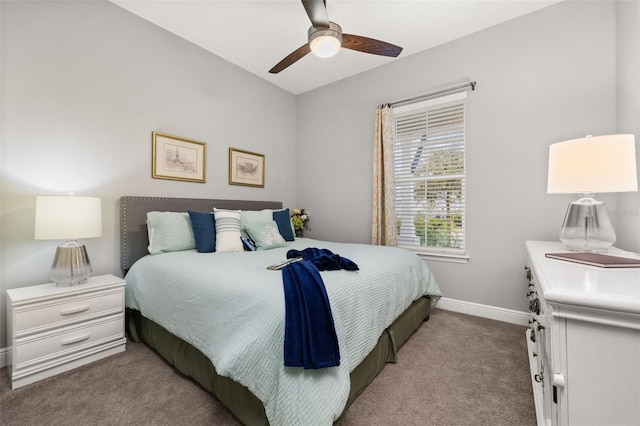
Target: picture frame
(246,168)
(178,158)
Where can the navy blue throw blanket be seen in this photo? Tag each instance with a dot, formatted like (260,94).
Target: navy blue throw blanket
(324,259)
(310,339)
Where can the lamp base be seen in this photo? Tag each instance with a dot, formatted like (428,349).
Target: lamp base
(587,227)
(71,265)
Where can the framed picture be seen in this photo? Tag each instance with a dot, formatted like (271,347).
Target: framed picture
(178,158)
(246,168)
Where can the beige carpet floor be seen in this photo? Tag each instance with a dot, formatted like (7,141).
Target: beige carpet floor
(455,370)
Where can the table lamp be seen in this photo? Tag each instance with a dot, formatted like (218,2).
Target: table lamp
(68,218)
(586,166)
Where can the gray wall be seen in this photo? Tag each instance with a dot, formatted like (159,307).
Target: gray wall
(83,86)
(628,113)
(542,78)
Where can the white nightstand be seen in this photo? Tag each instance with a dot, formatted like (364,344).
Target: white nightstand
(54,329)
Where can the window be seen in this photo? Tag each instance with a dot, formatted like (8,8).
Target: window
(429,147)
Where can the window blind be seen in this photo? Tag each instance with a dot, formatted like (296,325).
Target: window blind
(429,150)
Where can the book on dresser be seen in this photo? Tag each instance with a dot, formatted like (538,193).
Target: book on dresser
(597,259)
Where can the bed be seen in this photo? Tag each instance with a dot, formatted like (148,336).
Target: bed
(226,331)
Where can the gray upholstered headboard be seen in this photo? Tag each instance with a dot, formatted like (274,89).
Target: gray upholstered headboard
(133,218)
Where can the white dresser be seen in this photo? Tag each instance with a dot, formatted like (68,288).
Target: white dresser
(54,329)
(583,340)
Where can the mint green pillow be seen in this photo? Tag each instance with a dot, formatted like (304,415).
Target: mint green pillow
(169,231)
(266,235)
(252,217)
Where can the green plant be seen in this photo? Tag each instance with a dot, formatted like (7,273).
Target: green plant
(299,219)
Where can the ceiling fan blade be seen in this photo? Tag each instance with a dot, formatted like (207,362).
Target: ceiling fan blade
(291,58)
(317,12)
(370,45)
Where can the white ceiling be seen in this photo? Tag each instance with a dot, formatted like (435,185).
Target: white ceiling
(255,35)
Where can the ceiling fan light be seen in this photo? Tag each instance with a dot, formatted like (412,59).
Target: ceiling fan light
(325,42)
(325,46)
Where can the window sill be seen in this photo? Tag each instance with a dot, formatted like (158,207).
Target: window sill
(441,256)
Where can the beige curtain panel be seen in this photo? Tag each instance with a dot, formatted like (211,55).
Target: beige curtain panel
(383,230)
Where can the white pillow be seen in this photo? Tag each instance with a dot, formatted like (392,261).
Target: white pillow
(228,230)
(169,231)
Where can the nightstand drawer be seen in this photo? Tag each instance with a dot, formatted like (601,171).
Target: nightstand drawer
(61,342)
(38,317)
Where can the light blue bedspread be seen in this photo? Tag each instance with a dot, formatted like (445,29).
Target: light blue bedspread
(230,307)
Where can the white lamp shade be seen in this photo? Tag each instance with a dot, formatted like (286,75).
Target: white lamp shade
(67,217)
(592,165)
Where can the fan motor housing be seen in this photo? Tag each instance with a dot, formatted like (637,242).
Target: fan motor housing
(334,31)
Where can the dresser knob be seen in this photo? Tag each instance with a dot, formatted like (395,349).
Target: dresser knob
(527,273)
(534,306)
(558,380)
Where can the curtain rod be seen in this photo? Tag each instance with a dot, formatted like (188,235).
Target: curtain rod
(439,92)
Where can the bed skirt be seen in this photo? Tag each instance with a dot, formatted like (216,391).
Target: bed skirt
(238,399)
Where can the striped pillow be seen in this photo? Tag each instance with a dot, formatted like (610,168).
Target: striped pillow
(227,230)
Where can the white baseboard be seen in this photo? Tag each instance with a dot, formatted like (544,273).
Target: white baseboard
(3,357)
(485,311)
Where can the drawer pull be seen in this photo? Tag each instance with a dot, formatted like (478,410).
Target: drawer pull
(75,310)
(76,339)
(558,380)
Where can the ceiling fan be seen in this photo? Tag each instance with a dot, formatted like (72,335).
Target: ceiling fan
(326,38)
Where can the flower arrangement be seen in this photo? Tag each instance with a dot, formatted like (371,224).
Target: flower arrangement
(299,219)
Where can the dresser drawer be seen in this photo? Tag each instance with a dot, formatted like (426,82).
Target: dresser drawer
(38,317)
(57,343)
